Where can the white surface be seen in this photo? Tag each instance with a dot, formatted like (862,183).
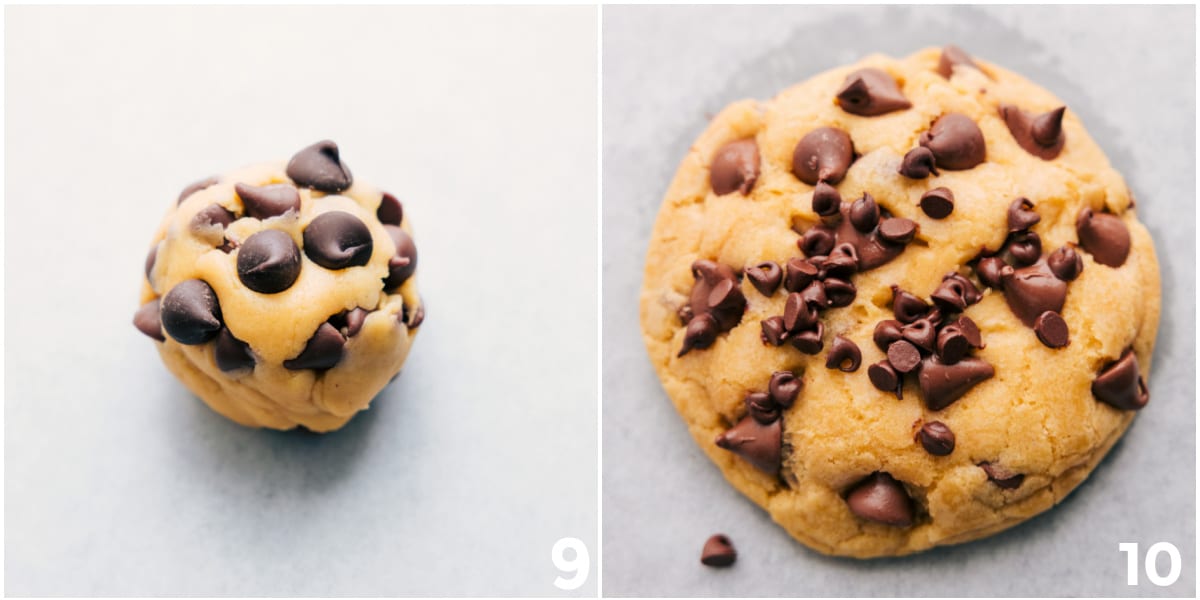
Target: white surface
(469,467)
(665,69)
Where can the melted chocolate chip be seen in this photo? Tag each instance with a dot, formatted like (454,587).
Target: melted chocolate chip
(191,313)
(943,384)
(871,92)
(718,552)
(1104,236)
(951,57)
(1065,263)
(758,444)
(320,167)
(390,211)
(884,377)
(195,187)
(403,263)
(864,214)
(337,240)
(1120,384)
(938,203)
(800,274)
(231,353)
(735,168)
(700,333)
(826,200)
(1021,215)
(936,438)
(765,277)
(824,154)
(784,388)
(323,351)
(268,262)
(882,499)
(1051,329)
(918,163)
(147,321)
(956,142)
(1033,290)
(1003,478)
(1040,135)
(269,200)
(844,355)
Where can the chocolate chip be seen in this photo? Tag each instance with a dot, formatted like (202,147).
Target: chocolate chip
(956,293)
(886,332)
(970,330)
(1065,263)
(151,258)
(320,167)
(903,356)
(824,154)
(951,57)
(938,203)
(884,377)
(147,321)
(685,314)
(350,322)
(936,438)
(231,353)
(989,271)
(907,307)
(871,92)
(943,384)
(418,317)
(844,355)
(952,344)
(701,332)
(817,241)
(921,333)
(1025,247)
(882,499)
(918,163)
(765,277)
(337,240)
(195,187)
(864,214)
(773,331)
(814,295)
(323,350)
(826,201)
(842,262)
(1033,290)
(1104,236)
(760,406)
(1021,215)
(1051,329)
(785,388)
(1120,384)
(758,444)
(1003,478)
(800,273)
(735,168)
(840,292)
(390,211)
(268,262)
(956,142)
(213,216)
(897,230)
(811,341)
(191,313)
(798,314)
(1040,135)
(269,200)
(403,263)
(718,552)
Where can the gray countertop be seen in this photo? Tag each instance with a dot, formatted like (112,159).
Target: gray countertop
(467,469)
(1129,73)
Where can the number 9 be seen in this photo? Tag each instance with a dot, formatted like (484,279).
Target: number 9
(579,564)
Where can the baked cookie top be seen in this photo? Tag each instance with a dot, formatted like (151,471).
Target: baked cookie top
(902,304)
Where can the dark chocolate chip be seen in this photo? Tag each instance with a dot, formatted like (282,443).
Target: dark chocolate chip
(758,444)
(824,154)
(195,187)
(1065,263)
(1025,247)
(844,355)
(839,292)
(1040,135)
(882,499)
(936,438)
(1104,236)
(231,353)
(897,230)
(943,384)
(390,211)
(403,263)
(717,292)
(701,332)
(884,377)
(811,341)
(323,351)
(785,388)
(798,314)
(1003,478)
(191,313)
(918,163)
(761,407)
(213,216)
(1033,290)
(268,262)
(871,92)
(320,167)
(864,214)
(765,277)
(990,271)
(818,241)
(1021,215)
(952,344)
(1120,384)
(1051,329)
(773,331)
(842,262)
(903,356)
(907,307)
(147,321)
(350,322)
(956,293)
(951,57)
(814,295)
(826,201)
(956,142)
(970,330)
(269,200)
(718,552)
(337,240)
(938,203)
(735,168)
(921,333)
(886,332)
(800,273)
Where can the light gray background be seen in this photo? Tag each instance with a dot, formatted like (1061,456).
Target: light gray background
(1129,73)
(466,470)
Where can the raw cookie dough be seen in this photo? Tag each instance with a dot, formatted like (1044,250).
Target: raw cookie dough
(905,303)
(283,294)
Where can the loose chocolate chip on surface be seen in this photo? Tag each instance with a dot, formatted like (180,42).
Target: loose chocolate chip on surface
(811,341)
(864,214)
(800,274)
(886,332)
(897,230)
(956,142)
(784,388)
(191,313)
(884,377)
(1003,478)
(390,211)
(952,344)
(195,187)
(1021,215)
(1120,384)
(735,168)
(268,262)
(1033,290)
(943,384)
(213,215)
(1104,236)
(903,356)
(1040,135)
(147,321)
(765,277)
(403,263)
(938,203)
(906,306)
(936,438)
(323,350)
(337,240)
(918,163)
(231,353)
(320,167)
(718,552)
(844,355)
(882,499)
(1051,329)
(824,154)
(269,200)
(1065,263)
(871,92)
(758,444)
(951,57)
(826,200)
(1025,247)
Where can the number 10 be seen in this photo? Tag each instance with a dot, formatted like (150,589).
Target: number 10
(1131,555)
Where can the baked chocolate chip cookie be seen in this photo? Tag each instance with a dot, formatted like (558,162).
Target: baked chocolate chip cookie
(283,294)
(903,304)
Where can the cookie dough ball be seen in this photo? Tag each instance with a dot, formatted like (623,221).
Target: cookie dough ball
(283,294)
(906,303)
